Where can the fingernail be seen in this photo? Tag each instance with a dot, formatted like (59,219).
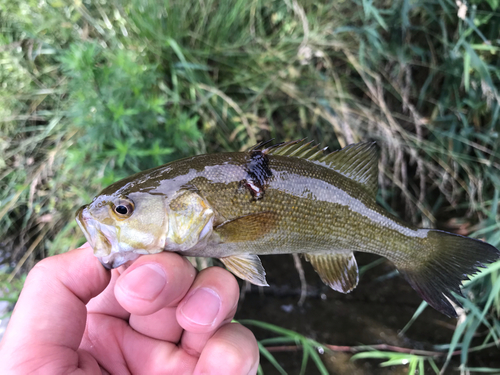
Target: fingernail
(145,282)
(86,245)
(202,307)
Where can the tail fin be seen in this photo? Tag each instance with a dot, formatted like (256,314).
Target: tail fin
(440,265)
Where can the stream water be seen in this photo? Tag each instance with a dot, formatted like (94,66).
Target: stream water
(373,313)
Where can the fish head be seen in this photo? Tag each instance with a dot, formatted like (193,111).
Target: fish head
(121,228)
(191,221)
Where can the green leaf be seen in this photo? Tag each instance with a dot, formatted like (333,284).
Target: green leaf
(271,358)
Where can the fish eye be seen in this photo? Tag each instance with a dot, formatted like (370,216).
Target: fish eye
(123,208)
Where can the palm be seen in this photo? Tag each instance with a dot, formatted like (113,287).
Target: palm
(158,316)
(141,339)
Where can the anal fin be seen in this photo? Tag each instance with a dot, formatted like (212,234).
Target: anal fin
(339,271)
(247,267)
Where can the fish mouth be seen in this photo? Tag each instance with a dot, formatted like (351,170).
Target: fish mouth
(82,218)
(91,228)
(115,260)
(110,256)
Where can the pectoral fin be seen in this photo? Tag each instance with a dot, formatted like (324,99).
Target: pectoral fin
(247,228)
(247,267)
(338,271)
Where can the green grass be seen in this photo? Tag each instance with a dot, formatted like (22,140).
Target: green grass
(415,363)
(311,349)
(94,91)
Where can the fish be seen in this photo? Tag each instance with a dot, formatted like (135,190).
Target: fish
(283,198)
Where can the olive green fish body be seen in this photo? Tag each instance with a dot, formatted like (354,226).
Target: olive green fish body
(288,198)
(317,211)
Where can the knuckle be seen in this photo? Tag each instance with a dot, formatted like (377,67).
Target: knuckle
(42,269)
(239,350)
(220,277)
(234,358)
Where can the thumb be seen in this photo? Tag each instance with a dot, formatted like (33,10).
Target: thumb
(50,313)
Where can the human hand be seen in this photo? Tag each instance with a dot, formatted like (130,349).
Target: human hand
(156,317)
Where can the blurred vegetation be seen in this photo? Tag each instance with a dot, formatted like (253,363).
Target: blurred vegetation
(92,91)
(310,348)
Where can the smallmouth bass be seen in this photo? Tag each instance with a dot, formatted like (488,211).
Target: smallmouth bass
(286,198)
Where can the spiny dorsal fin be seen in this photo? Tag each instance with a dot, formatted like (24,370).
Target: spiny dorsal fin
(260,145)
(358,162)
(338,271)
(247,267)
(299,149)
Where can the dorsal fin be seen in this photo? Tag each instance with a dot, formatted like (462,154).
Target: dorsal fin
(299,149)
(358,162)
(260,145)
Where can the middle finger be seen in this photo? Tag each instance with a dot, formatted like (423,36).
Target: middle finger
(210,303)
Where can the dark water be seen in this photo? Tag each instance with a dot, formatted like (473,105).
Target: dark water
(374,313)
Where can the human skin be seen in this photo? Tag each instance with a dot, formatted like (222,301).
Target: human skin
(158,316)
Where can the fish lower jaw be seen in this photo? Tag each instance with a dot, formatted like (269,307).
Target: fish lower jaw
(115,260)
(119,257)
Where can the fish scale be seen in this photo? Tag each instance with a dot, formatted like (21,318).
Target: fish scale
(286,198)
(309,221)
